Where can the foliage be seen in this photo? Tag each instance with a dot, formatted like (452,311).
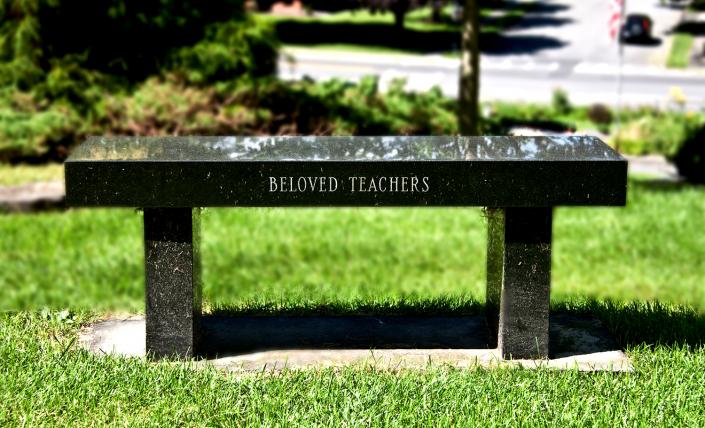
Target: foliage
(679,56)
(27,129)
(55,89)
(127,39)
(643,131)
(503,116)
(167,106)
(560,102)
(600,114)
(690,158)
(232,48)
(656,132)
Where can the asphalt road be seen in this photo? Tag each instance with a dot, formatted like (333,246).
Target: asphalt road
(577,30)
(511,79)
(562,44)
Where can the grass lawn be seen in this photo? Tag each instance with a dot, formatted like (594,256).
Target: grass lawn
(679,56)
(356,260)
(361,30)
(20,174)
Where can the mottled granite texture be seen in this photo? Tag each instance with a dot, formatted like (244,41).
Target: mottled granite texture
(519,180)
(345,171)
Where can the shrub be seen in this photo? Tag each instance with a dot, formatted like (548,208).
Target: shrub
(28,131)
(130,39)
(73,51)
(690,158)
(503,116)
(560,102)
(232,49)
(70,78)
(656,132)
(167,106)
(600,114)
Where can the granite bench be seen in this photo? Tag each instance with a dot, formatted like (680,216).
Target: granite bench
(518,179)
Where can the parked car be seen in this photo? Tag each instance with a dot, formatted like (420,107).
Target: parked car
(637,27)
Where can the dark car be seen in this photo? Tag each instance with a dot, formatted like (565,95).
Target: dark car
(637,28)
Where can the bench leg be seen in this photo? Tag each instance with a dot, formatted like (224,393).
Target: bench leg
(519,280)
(173,282)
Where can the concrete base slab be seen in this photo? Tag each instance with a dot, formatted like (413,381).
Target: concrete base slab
(257,343)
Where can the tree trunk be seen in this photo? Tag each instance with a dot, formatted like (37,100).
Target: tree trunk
(399,17)
(469,70)
(436,8)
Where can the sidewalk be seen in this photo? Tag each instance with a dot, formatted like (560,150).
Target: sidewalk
(292,55)
(656,166)
(514,79)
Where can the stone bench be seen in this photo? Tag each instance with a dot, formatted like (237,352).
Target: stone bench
(518,179)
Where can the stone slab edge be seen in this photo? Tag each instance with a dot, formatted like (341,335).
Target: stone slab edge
(121,335)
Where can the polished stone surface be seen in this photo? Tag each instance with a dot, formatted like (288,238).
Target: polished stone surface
(173,281)
(519,280)
(519,179)
(396,148)
(344,171)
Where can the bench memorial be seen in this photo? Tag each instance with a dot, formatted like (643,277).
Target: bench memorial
(518,179)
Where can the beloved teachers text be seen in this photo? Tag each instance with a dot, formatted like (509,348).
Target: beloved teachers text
(382,184)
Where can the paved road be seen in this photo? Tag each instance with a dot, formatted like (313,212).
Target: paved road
(508,78)
(564,43)
(577,30)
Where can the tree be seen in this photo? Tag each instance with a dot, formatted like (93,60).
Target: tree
(397,7)
(469,70)
(436,9)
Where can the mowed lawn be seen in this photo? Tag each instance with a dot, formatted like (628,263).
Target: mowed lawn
(93,258)
(608,261)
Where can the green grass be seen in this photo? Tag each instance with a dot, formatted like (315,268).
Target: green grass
(679,56)
(418,19)
(350,47)
(47,381)
(20,174)
(92,259)
(361,30)
(357,260)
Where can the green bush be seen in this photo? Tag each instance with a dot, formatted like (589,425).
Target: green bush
(503,116)
(64,64)
(656,132)
(267,106)
(600,115)
(131,40)
(229,50)
(560,102)
(690,158)
(28,131)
